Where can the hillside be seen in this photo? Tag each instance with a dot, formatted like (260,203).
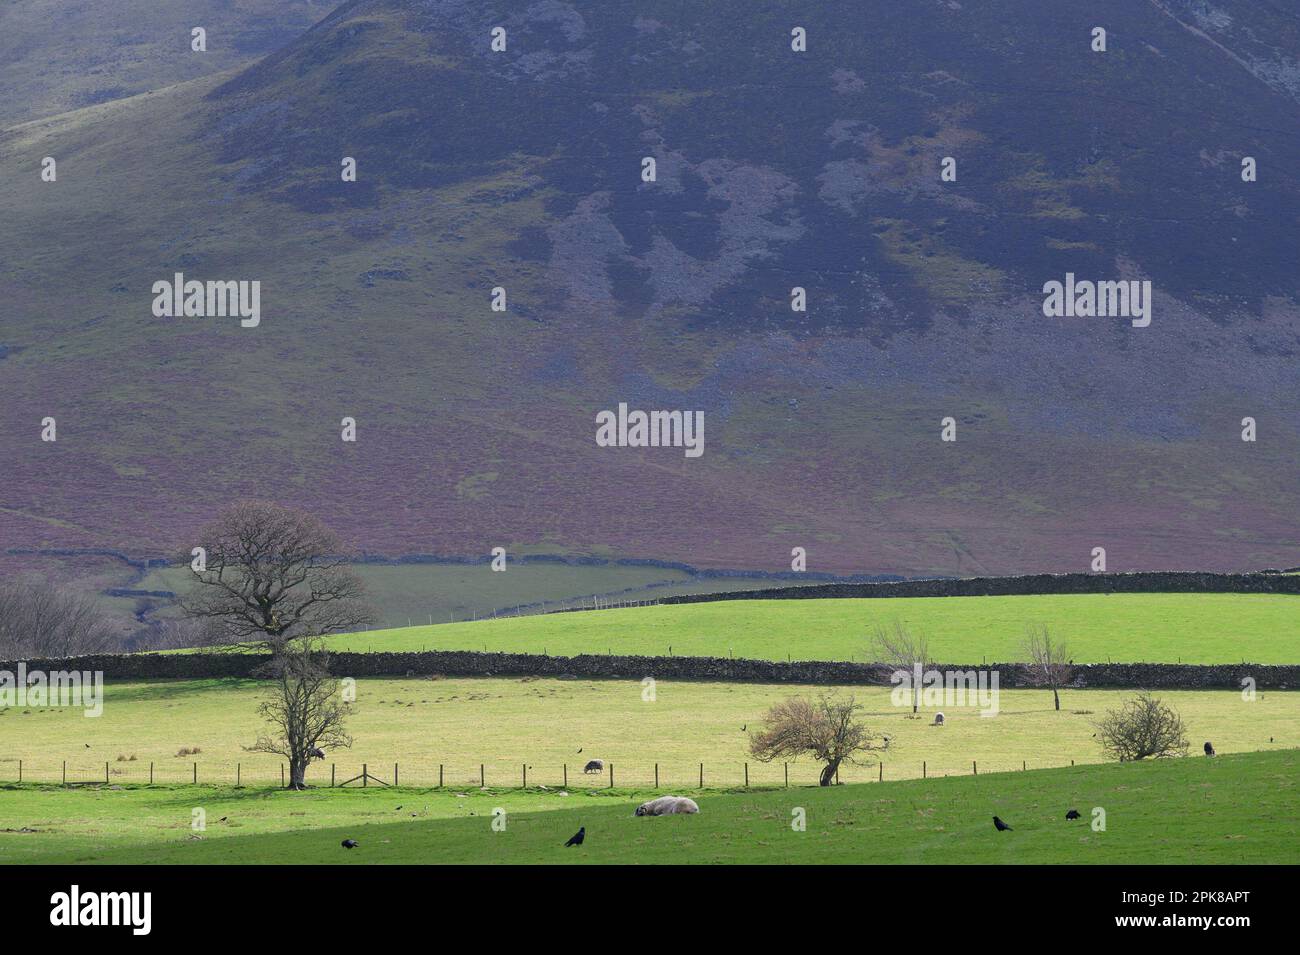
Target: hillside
(775,169)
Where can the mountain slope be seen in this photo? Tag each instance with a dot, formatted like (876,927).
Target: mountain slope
(775,169)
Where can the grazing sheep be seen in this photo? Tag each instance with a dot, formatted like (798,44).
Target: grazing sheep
(1209,750)
(316,753)
(667,806)
(938,719)
(594,766)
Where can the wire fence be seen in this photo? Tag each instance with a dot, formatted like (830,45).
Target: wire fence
(426,773)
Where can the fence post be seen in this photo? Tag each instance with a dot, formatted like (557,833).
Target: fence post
(20,770)
(196,774)
(880,776)
(440,775)
(333,767)
(282,775)
(701,775)
(656,775)
(837,773)
(394,774)
(611,775)
(65,772)
(105,772)
(923,769)
(365,775)
(1024,764)
(482,779)
(787,775)
(974,768)
(747,775)
(150,772)
(525,775)
(566,775)
(239,774)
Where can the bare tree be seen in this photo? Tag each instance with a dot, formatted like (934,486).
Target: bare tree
(305,709)
(42,620)
(1143,727)
(1049,661)
(901,649)
(272,574)
(826,728)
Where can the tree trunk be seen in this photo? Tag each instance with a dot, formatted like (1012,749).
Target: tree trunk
(828,773)
(1057,697)
(916,698)
(298,774)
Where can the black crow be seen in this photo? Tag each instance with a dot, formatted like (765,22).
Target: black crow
(1072,814)
(87,746)
(577,837)
(395,810)
(224,818)
(1209,750)
(349,843)
(1000,825)
(579,749)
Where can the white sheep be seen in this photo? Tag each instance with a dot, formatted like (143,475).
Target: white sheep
(594,766)
(668,806)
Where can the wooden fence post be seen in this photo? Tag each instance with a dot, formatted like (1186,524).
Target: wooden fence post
(923,769)
(837,775)
(239,774)
(20,770)
(394,774)
(440,775)
(282,775)
(701,775)
(150,772)
(656,775)
(525,775)
(106,772)
(880,773)
(787,775)
(365,775)
(65,772)
(566,775)
(333,768)
(747,775)
(196,774)
(974,768)
(482,779)
(1024,764)
(611,775)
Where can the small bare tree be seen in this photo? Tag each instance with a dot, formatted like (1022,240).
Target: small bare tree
(1142,727)
(901,649)
(42,620)
(1049,662)
(305,709)
(272,574)
(827,729)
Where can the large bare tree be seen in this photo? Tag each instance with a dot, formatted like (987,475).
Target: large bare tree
(305,708)
(271,574)
(1048,661)
(901,649)
(42,620)
(1142,727)
(826,728)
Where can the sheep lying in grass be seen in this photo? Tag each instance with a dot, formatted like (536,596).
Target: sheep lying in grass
(594,766)
(667,806)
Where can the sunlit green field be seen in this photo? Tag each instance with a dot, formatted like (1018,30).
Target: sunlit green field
(1234,809)
(1165,628)
(504,724)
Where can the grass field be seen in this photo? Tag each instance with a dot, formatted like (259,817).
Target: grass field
(1191,628)
(504,724)
(1235,809)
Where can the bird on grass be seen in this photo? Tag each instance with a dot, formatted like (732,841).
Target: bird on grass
(350,843)
(224,818)
(1209,750)
(395,810)
(1072,814)
(577,838)
(579,749)
(1000,825)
